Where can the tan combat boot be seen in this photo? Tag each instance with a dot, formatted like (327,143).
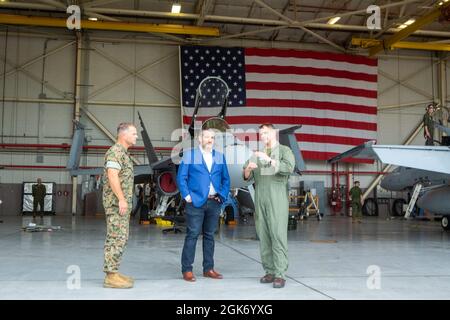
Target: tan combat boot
(126,278)
(113,280)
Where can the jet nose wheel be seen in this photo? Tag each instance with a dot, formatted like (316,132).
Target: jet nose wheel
(444,223)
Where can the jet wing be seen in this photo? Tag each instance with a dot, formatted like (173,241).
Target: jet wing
(87,172)
(435,159)
(441,127)
(142,169)
(139,170)
(163,164)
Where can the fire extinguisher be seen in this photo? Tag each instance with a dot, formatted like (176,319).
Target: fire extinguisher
(336,201)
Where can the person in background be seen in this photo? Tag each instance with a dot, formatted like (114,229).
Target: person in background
(356,199)
(38,191)
(428,125)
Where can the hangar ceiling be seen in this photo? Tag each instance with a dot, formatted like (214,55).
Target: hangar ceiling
(288,21)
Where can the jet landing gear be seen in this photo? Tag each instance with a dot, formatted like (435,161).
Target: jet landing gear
(444,223)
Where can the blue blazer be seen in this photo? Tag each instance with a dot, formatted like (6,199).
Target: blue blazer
(193,177)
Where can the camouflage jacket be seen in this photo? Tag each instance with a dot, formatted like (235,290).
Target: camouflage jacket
(38,191)
(118,158)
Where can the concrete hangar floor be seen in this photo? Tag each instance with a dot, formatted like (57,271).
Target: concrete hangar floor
(330,259)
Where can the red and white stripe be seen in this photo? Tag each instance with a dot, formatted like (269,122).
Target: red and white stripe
(333,97)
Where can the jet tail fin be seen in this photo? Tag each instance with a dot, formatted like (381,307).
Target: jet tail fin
(76,148)
(151,154)
(287,138)
(364,150)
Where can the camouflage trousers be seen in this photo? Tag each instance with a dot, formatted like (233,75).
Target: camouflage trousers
(117,231)
(356,210)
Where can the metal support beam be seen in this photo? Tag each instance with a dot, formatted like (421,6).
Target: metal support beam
(107,25)
(76,111)
(236,20)
(296,24)
(201,9)
(54,3)
(104,130)
(96,103)
(405,84)
(100,16)
(402,34)
(430,46)
(402,105)
(388,167)
(96,3)
(33,77)
(38,58)
(275,34)
(405,80)
(132,73)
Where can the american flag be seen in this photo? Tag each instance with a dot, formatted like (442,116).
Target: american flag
(333,96)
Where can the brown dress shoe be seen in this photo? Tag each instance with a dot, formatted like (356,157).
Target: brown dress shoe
(212,274)
(189,276)
(268,278)
(279,283)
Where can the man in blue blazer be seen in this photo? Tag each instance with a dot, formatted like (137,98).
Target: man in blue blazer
(204,183)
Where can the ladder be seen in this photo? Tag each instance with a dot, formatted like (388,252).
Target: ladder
(313,206)
(414,197)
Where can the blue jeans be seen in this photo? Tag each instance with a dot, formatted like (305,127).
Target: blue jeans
(203,220)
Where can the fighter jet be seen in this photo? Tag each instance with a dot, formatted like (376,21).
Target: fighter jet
(163,171)
(427,165)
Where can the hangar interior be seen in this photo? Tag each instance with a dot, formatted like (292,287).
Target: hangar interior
(127,58)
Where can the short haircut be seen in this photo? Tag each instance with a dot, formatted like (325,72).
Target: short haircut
(124,126)
(356,182)
(267,125)
(430,105)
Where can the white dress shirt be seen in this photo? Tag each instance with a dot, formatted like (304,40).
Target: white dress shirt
(208,158)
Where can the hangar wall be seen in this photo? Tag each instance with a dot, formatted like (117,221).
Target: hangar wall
(120,79)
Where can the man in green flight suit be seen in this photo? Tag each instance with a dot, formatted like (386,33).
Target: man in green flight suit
(356,199)
(270,170)
(38,191)
(118,186)
(428,125)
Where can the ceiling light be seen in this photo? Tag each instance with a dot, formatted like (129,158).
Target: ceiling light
(403,26)
(92,19)
(176,7)
(333,20)
(410,21)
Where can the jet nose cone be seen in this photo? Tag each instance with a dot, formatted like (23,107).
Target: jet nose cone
(385,182)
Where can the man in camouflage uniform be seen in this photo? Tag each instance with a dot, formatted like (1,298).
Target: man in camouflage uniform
(428,125)
(117,201)
(38,192)
(356,199)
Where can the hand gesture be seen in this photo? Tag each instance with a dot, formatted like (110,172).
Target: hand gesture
(123,207)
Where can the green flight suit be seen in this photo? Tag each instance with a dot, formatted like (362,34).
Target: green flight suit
(272,208)
(428,122)
(356,193)
(117,225)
